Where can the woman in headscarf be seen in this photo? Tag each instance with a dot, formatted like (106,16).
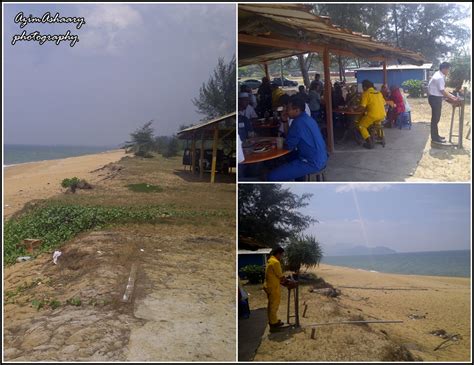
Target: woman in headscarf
(399,105)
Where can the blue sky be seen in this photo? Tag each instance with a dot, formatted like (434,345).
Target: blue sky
(403,217)
(133,63)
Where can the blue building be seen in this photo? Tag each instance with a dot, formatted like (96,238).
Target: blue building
(396,74)
(258,257)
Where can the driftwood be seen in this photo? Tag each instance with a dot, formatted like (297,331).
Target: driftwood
(451,338)
(367,288)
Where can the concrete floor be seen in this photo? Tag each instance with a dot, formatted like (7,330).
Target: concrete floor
(397,161)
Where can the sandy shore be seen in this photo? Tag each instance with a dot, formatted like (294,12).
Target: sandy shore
(440,303)
(41,180)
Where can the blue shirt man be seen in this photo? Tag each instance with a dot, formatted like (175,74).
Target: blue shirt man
(304,137)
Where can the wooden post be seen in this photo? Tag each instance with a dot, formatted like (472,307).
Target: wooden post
(214,154)
(201,158)
(193,154)
(328,100)
(385,73)
(313,333)
(265,66)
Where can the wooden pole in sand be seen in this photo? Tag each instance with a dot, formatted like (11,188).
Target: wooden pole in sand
(201,157)
(193,154)
(214,154)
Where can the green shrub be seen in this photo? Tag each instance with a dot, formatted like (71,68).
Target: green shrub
(69,183)
(255,274)
(414,87)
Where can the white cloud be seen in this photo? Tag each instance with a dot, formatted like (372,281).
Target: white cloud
(346,188)
(110,27)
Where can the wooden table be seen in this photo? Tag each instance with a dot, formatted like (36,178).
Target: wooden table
(264,156)
(351,113)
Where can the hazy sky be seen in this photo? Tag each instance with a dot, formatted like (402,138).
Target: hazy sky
(133,63)
(403,217)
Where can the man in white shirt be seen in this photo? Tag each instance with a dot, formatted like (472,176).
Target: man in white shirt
(436,92)
(245,109)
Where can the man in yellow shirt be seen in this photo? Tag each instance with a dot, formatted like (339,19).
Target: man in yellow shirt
(273,279)
(372,103)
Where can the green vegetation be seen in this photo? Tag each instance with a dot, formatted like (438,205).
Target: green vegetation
(53,303)
(302,251)
(57,222)
(67,183)
(414,87)
(75,183)
(269,213)
(217,96)
(38,304)
(460,71)
(145,188)
(142,141)
(77,302)
(255,274)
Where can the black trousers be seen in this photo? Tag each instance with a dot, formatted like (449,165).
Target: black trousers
(435,102)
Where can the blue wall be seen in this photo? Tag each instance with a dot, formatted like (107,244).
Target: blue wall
(395,77)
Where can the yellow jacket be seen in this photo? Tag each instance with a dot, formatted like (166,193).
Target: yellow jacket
(374,101)
(273,275)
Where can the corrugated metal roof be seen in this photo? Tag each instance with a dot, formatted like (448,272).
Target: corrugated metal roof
(295,22)
(263,251)
(425,66)
(197,127)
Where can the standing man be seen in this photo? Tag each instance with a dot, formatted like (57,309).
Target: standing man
(273,279)
(317,81)
(436,92)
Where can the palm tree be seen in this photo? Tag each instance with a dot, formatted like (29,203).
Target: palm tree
(302,250)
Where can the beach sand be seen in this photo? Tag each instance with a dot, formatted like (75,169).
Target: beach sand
(42,179)
(444,305)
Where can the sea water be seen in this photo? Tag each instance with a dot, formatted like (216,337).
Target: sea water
(16,154)
(440,263)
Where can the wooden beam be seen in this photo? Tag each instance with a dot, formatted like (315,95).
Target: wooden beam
(201,158)
(279,43)
(193,154)
(385,72)
(214,154)
(328,100)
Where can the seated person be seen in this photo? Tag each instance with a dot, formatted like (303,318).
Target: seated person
(353,97)
(302,93)
(304,137)
(399,105)
(277,92)
(373,105)
(252,98)
(337,98)
(285,121)
(245,127)
(245,109)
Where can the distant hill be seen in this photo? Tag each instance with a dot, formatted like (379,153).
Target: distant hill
(346,250)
